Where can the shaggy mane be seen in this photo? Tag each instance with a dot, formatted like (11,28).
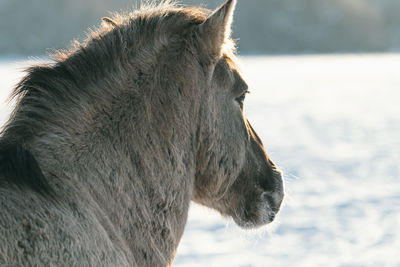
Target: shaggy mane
(71,80)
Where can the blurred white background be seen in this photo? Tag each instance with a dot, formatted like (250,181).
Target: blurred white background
(262,26)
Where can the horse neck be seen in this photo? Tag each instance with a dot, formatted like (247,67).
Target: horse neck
(137,168)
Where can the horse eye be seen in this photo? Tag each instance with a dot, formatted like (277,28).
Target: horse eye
(241,98)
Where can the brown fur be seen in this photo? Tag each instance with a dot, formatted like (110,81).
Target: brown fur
(108,145)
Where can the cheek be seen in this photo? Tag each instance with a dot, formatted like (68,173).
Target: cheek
(231,155)
(233,132)
(222,158)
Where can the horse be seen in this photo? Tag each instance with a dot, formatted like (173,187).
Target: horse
(110,142)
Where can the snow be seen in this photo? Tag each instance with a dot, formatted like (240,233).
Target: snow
(332,123)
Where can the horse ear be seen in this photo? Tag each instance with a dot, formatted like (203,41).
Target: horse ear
(217,27)
(109,21)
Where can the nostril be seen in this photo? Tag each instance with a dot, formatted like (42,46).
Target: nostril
(274,199)
(267,197)
(271,180)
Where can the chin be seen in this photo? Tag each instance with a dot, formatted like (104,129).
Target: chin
(255,219)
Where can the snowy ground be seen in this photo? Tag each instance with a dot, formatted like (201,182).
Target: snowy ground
(332,123)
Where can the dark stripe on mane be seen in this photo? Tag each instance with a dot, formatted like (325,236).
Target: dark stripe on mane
(19,167)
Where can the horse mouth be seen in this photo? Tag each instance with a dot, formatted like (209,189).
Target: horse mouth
(260,213)
(262,208)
